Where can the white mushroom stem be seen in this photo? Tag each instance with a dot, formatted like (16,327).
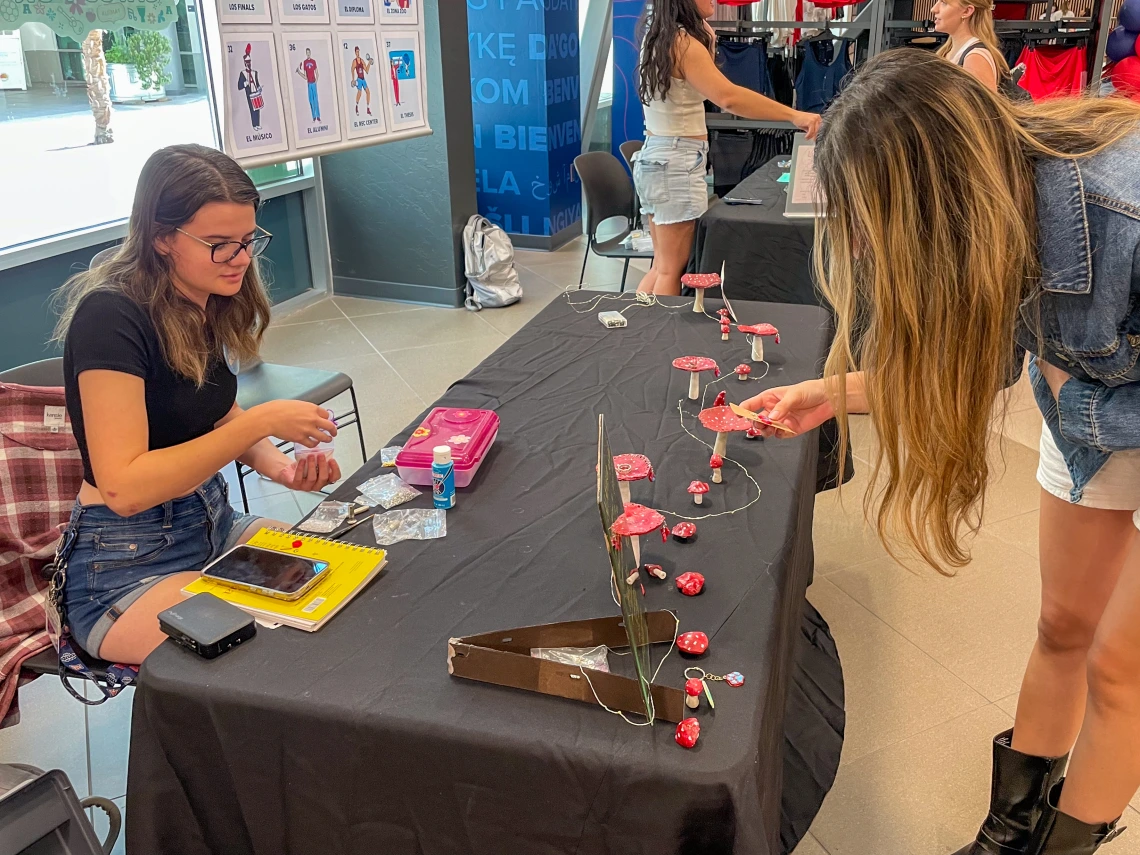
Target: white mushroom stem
(636,541)
(721,444)
(692,701)
(694,383)
(699,303)
(742,376)
(716,476)
(697,498)
(631,578)
(623,488)
(757,348)
(724,336)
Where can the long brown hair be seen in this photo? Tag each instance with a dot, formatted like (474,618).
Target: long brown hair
(981,25)
(174,184)
(928,249)
(657,31)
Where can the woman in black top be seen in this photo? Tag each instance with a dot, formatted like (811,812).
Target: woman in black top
(152,340)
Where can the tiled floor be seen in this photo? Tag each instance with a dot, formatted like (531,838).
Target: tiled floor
(932,665)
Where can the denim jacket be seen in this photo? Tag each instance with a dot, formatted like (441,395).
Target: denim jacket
(1085,318)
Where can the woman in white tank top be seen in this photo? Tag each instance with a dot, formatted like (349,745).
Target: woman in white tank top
(676,75)
(973,42)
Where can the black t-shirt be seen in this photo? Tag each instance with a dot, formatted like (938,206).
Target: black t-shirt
(111,331)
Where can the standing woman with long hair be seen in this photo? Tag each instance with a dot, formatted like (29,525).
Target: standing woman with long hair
(152,339)
(677,73)
(935,269)
(973,43)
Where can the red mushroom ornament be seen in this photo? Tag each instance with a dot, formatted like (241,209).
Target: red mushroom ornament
(688,732)
(724,421)
(695,365)
(742,371)
(693,689)
(753,433)
(692,644)
(631,467)
(758,331)
(719,401)
(697,490)
(656,570)
(699,282)
(716,462)
(636,521)
(684,532)
(690,584)
(725,329)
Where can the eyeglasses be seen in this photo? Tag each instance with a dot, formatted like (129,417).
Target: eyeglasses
(227,251)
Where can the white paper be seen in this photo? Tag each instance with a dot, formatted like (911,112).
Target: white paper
(244,12)
(361,87)
(402,62)
(313,78)
(805,182)
(304,11)
(354,12)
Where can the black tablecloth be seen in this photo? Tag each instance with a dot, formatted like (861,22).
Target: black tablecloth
(355,739)
(766,255)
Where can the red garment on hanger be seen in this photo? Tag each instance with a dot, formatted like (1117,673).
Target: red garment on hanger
(1052,71)
(832,4)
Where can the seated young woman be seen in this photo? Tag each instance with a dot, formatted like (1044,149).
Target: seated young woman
(152,340)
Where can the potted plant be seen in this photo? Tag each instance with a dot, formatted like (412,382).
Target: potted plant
(137,67)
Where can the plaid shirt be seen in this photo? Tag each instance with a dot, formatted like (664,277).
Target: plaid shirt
(40,475)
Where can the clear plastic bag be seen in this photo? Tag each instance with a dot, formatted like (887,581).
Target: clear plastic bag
(326,518)
(388,455)
(409,524)
(581,657)
(387,491)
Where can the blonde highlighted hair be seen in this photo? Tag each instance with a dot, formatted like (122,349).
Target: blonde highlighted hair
(174,184)
(928,249)
(981,25)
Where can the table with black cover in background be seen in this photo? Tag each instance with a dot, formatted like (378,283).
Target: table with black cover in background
(767,256)
(355,740)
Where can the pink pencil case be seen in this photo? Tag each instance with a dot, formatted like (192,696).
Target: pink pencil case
(469,434)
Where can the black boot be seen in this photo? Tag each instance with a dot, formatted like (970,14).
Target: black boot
(1018,789)
(1060,834)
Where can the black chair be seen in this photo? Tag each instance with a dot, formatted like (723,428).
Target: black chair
(628,149)
(608,192)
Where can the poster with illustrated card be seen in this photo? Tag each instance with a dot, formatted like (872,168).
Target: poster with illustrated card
(354,11)
(244,12)
(303,11)
(312,79)
(402,56)
(255,115)
(399,11)
(362,92)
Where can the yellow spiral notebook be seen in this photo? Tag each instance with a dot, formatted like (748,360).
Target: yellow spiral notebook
(351,567)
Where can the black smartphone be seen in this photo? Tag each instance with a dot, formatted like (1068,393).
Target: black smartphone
(264,571)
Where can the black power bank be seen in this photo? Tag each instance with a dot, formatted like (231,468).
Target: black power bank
(207,625)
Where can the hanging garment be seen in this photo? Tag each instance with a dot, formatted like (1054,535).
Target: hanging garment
(779,72)
(821,77)
(745,64)
(1053,71)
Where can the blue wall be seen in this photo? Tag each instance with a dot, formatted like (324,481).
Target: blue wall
(525,102)
(628,118)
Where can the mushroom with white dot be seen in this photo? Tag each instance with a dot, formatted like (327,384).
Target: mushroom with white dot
(757,332)
(631,467)
(636,521)
(724,421)
(716,462)
(695,365)
(699,282)
(742,371)
(698,489)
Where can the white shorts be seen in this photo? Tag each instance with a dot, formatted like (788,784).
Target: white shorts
(1116,487)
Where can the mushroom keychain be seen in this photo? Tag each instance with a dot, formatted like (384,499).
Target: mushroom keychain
(695,365)
(700,677)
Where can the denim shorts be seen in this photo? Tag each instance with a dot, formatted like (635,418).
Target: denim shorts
(669,174)
(114,560)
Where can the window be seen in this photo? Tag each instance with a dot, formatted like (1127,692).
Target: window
(54,178)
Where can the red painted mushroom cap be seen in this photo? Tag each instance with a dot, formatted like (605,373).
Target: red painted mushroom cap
(698,487)
(688,732)
(716,461)
(690,584)
(700,281)
(759,329)
(743,369)
(637,520)
(633,467)
(694,687)
(695,363)
(684,529)
(724,313)
(720,396)
(693,642)
(723,419)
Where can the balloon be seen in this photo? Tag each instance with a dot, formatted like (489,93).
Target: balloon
(1126,76)
(1130,16)
(1121,44)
